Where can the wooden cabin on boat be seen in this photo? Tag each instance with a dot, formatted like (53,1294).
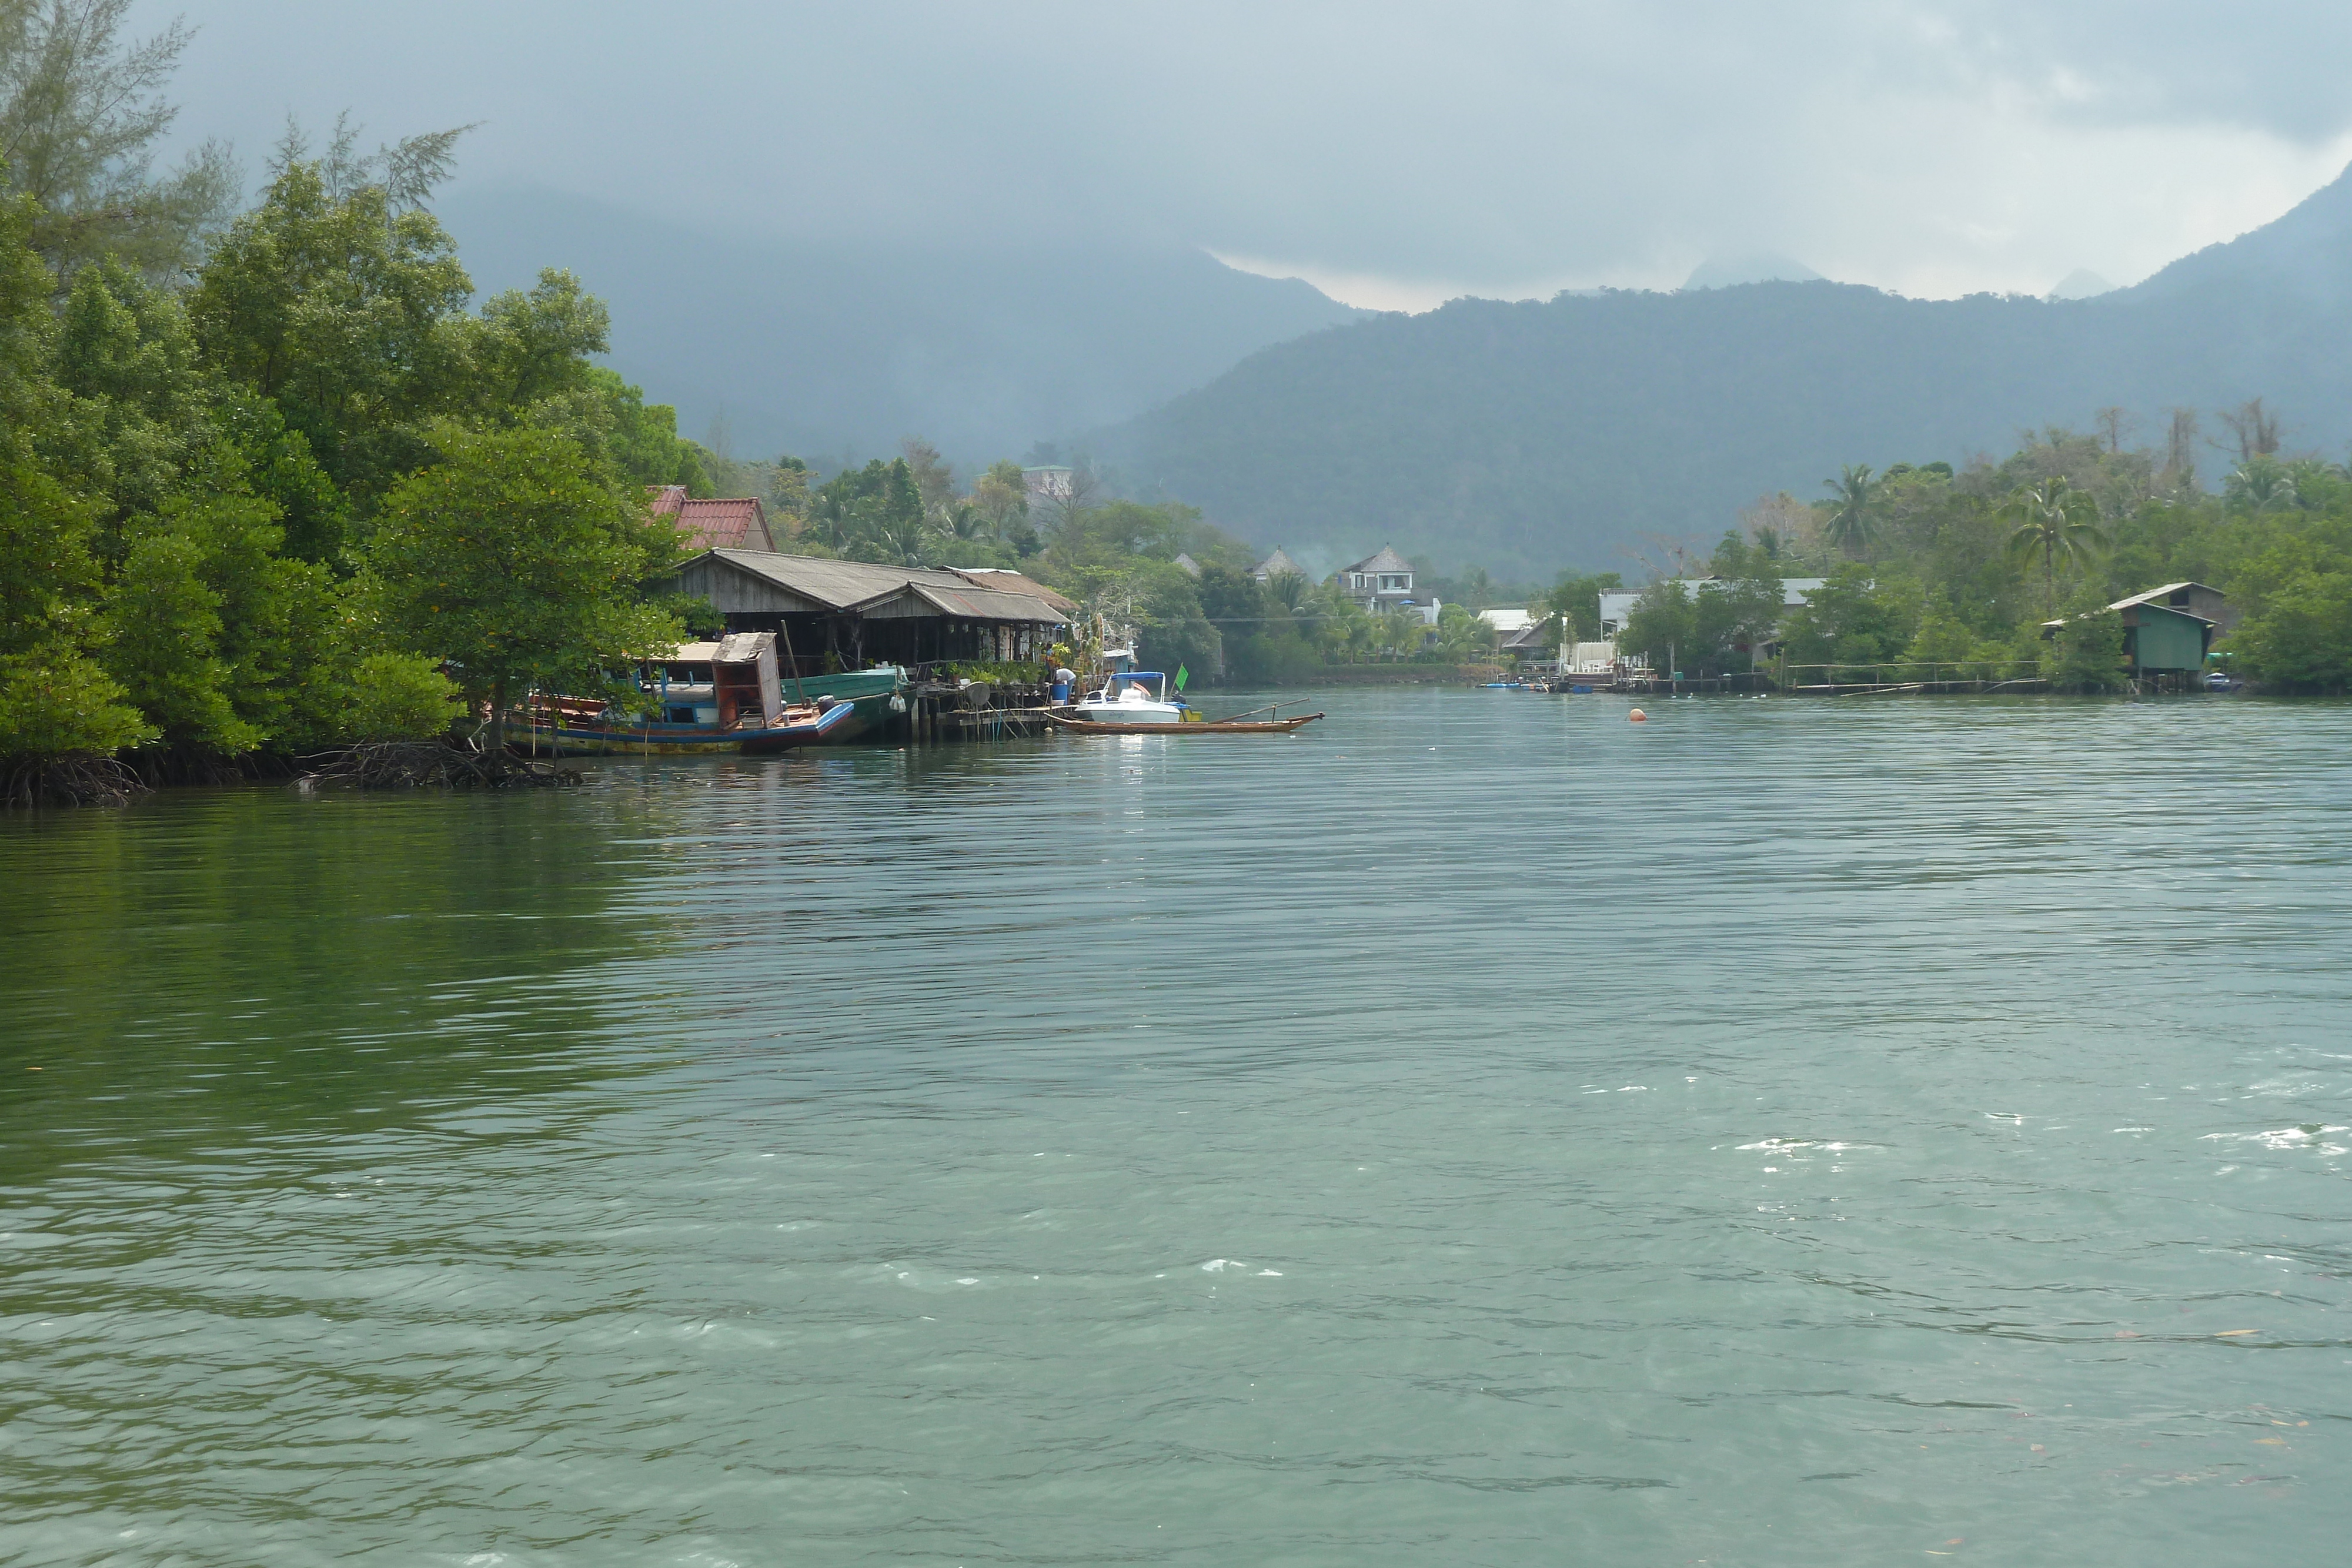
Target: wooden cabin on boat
(724,682)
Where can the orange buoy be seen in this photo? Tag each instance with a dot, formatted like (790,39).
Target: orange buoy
(1637,717)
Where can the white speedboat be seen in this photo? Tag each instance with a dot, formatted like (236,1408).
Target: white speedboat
(1134,697)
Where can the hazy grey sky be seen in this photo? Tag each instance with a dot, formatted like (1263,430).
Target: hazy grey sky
(1396,154)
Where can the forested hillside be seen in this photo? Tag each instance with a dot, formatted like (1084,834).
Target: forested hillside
(1591,431)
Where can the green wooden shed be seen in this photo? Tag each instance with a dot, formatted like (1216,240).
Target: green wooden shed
(2168,629)
(2171,628)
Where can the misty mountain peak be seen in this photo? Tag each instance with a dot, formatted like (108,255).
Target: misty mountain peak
(2080,284)
(1751,267)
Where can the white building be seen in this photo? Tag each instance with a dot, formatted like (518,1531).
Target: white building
(1616,607)
(1050,483)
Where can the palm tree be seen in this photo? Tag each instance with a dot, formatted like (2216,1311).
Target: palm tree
(1289,588)
(1853,526)
(2055,519)
(2261,483)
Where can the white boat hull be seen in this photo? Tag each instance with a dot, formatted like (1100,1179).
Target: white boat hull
(1129,713)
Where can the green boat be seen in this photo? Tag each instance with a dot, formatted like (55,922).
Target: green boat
(877,694)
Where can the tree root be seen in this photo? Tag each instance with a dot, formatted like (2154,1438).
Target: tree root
(30,781)
(429,765)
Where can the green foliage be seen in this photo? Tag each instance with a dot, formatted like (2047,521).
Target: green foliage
(2297,580)
(1853,618)
(188,466)
(2055,521)
(639,437)
(56,699)
(1263,641)
(222,639)
(397,696)
(875,513)
(349,316)
(1941,637)
(517,562)
(1711,630)
(1853,524)
(2087,652)
(1162,604)
(78,118)
(1576,600)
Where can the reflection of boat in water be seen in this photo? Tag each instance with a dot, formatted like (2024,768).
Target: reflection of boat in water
(715,698)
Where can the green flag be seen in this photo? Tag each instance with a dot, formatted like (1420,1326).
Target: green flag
(1181,675)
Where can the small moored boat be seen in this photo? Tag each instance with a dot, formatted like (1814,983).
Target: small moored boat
(710,699)
(1132,698)
(1092,717)
(1197,727)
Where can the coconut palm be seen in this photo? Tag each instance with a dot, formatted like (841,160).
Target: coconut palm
(1853,526)
(1289,588)
(2261,483)
(2054,519)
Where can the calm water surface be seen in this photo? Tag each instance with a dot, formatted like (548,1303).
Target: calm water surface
(1477,1131)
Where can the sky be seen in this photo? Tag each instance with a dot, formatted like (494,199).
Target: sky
(1396,155)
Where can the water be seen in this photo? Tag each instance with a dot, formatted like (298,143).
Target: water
(1476,1131)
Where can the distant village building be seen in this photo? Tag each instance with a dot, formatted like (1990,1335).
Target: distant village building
(1049,484)
(1382,581)
(2169,629)
(1508,623)
(1193,567)
(737,524)
(1273,566)
(1618,606)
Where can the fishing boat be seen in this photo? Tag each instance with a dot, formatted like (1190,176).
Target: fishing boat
(1192,726)
(714,699)
(1136,703)
(874,697)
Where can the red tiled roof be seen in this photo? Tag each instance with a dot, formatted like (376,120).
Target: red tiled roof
(737,524)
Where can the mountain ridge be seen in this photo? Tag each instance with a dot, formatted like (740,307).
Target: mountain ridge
(1588,432)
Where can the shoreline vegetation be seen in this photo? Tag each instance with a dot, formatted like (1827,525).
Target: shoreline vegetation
(277,488)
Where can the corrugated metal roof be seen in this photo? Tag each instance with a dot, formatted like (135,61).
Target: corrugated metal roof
(1004,580)
(735,648)
(854,584)
(2166,592)
(988,604)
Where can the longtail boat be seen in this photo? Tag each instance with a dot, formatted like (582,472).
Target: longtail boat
(1083,720)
